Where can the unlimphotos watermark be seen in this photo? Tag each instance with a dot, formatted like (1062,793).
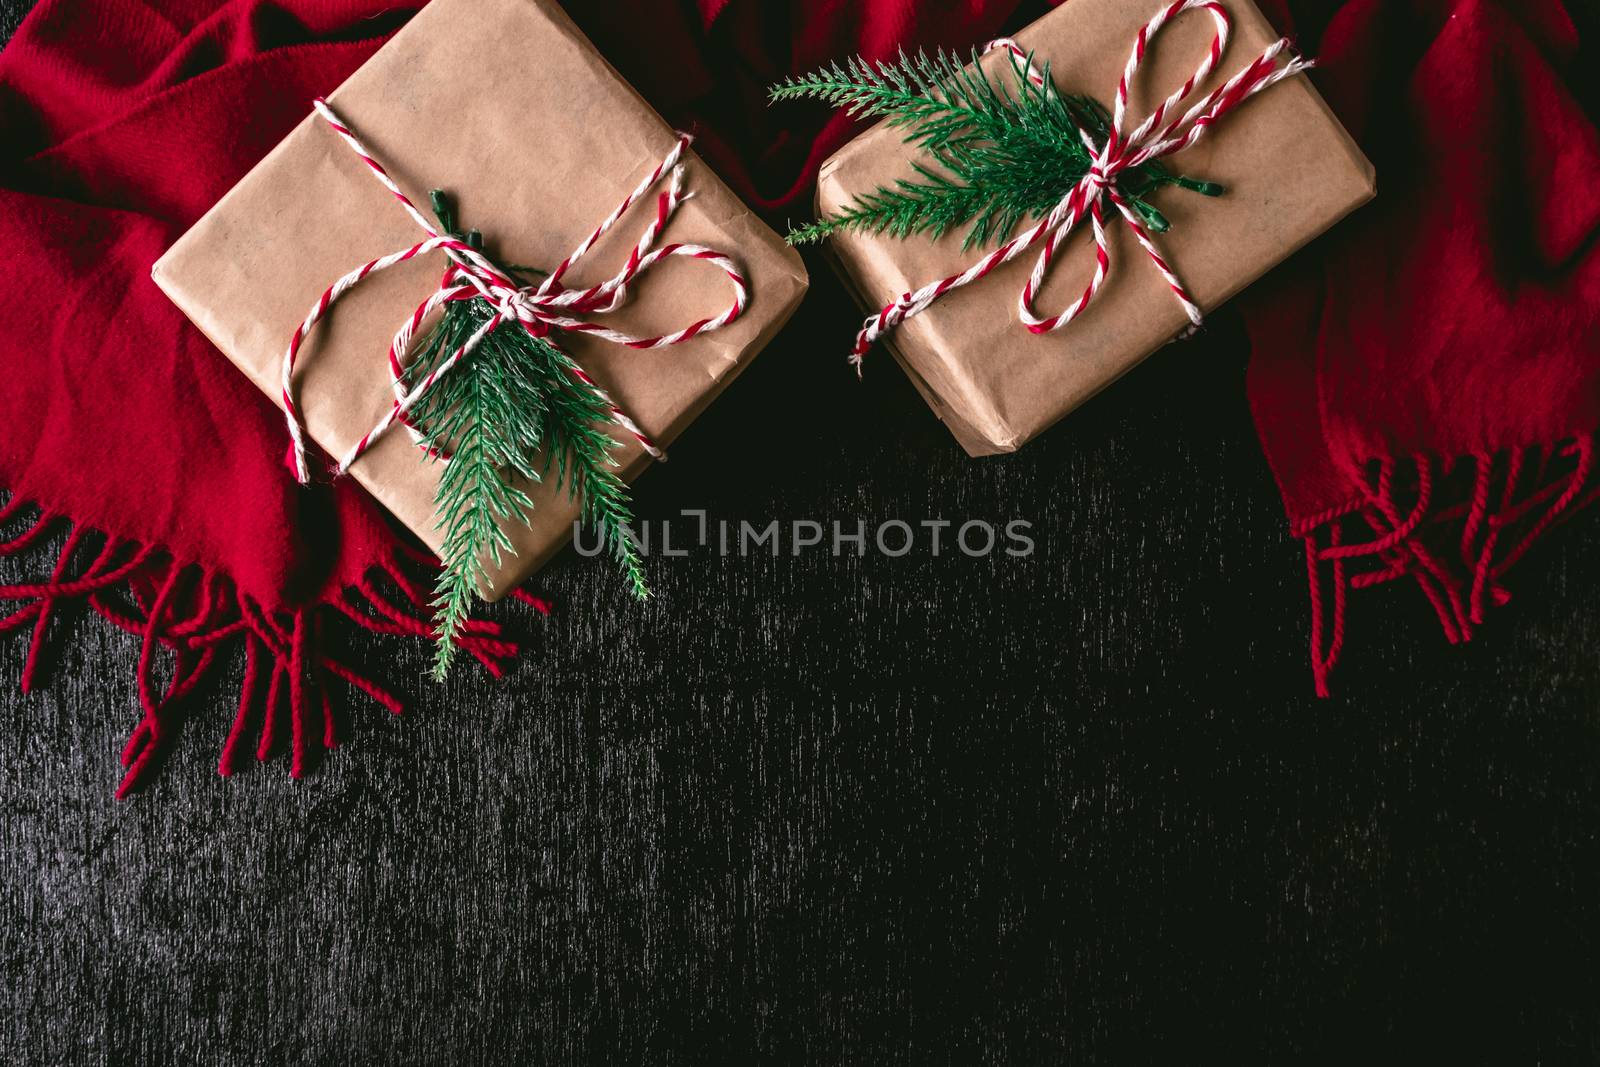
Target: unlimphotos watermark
(976,538)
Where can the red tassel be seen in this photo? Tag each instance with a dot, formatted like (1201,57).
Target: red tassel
(248,691)
(89,583)
(414,625)
(206,601)
(269,722)
(415,593)
(1463,579)
(1575,483)
(478,640)
(538,604)
(297,696)
(364,684)
(330,731)
(36,642)
(196,620)
(1383,498)
(1478,510)
(1323,660)
(220,634)
(16,619)
(142,743)
(40,527)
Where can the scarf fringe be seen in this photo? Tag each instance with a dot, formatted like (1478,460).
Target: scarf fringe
(1453,528)
(291,696)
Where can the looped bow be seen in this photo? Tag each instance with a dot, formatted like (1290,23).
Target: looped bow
(538,308)
(1155,138)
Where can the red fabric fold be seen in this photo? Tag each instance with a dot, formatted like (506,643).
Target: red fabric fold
(1426,380)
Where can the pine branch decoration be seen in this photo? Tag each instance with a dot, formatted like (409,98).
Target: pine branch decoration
(1000,153)
(505,416)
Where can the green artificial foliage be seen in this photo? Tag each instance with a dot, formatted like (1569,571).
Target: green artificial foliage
(1001,153)
(512,412)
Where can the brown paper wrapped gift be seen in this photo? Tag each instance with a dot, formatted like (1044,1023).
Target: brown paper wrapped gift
(1289,169)
(506,106)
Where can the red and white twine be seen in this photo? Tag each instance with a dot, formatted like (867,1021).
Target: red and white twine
(537,308)
(1155,138)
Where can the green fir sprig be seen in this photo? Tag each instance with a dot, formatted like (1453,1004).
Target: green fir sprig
(508,414)
(999,153)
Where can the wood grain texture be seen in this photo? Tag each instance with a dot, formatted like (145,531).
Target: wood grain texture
(860,810)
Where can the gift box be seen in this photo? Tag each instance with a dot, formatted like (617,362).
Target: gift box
(1289,171)
(505,105)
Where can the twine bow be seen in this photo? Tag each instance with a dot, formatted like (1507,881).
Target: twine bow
(537,308)
(1154,138)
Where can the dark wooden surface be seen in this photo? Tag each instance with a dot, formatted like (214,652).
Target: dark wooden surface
(861,810)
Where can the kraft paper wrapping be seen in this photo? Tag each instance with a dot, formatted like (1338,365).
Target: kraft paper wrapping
(505,105)
(1290,170)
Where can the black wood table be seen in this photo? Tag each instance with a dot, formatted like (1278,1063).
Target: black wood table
(871,809)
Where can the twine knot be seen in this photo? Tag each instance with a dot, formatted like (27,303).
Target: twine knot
(1158,136)
(518,305)
(541,309)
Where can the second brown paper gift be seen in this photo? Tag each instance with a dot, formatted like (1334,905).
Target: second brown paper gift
(507,106)
(1289,172)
